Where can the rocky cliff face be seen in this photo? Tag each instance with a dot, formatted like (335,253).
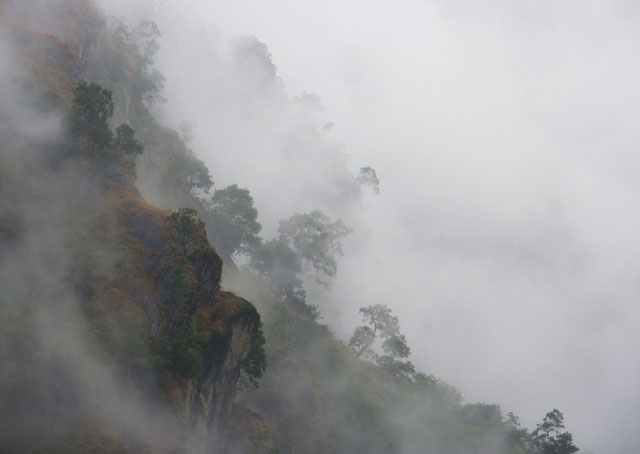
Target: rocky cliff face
(133,278)
(233,324)
(230,323)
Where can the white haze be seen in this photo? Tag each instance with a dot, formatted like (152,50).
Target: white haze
(35,293)
(505,136)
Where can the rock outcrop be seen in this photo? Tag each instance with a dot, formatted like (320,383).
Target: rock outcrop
(230,323)
(233,323)
(135,280)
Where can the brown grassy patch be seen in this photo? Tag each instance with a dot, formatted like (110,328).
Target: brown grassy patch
(45,60)
(226,307)
(126,204)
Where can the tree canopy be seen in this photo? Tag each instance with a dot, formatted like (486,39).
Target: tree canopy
(185,223)
(255,363)
(278,264)
(125,141)
(196,171)
(281,266)
(381,324)
(92,107)
(232,221)
(150,81)
(548,437)
(315,239)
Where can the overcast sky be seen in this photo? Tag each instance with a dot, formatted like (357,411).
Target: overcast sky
(505,134)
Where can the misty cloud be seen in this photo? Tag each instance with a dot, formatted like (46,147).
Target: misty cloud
(505,137)
(53,376)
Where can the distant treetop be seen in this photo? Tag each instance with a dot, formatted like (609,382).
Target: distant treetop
(368,177)
(92,107)
(316,240)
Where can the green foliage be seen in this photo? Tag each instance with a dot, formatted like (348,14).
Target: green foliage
(517,437)
(368,177)
(125,142)
(232,221)
(548,437)
(173,171)
(396,346)
(92,107)
(191,170)
(145,36)
(181,283)
(185,223)
(197,174)
(313,375)
(255,364)
(396,367)
(315,397)
(296,297)
(151,86)
(379,322)
(361,341)
(315,239)
(281,266)
(129,58)
(435,387)
(180,354)
(382,324)
(481,414)
(278,264)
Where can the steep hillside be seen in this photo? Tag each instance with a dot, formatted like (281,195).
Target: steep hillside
(317,398)
(115,335)
(118,328)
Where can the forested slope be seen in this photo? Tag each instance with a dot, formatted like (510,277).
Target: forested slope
(115,333)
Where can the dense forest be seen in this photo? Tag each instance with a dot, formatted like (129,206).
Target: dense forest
(144,309)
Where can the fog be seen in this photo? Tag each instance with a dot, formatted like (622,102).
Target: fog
(53,376)
(504,136)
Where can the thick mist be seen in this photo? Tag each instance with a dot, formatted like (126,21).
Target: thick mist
(53,376)
(504,135)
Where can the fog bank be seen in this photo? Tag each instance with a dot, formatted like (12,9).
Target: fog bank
(504,136)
